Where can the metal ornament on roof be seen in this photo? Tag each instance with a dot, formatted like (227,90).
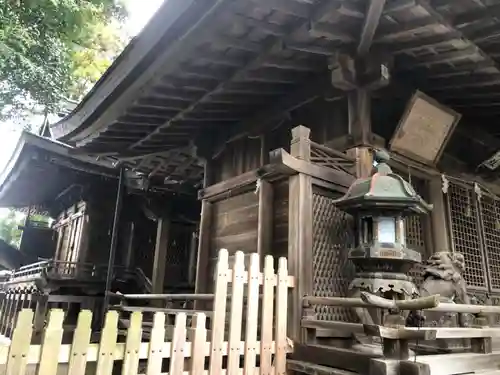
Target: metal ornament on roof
(379,204)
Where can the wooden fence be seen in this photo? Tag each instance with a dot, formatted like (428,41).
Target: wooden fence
(238,350)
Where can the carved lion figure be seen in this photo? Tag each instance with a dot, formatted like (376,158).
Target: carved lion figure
(443,276)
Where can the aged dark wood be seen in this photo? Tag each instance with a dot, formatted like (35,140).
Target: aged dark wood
(300,231)
(371,21)
(438,216)
(204,247)
(265,223)
(161,249)
(334,357)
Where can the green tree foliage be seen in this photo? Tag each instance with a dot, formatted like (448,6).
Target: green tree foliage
(9,228)
(53,49)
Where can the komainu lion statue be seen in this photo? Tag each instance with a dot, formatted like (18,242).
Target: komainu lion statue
(443,276)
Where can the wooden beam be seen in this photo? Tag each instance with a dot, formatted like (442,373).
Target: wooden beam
(463,69)
(398,6)
(482,14)
(441,58)
(345,359)
(370,24)
(160,256)
(294,8)
(330,32)
(450,25)
(415,45)
(396,30)
(254,126)
(268,50)
(476,80)
(287,164)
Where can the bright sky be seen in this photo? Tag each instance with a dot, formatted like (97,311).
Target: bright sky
(140,12)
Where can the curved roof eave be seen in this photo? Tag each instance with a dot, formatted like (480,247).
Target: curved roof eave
(132,69)
(17,161)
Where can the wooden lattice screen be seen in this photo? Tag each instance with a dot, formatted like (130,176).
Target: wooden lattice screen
(490,215)
(415,232)
(333,234)
(71,233)
(466,232)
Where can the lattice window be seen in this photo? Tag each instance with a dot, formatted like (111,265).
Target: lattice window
(332,235)
(490,217)
(466,233)
(414,228)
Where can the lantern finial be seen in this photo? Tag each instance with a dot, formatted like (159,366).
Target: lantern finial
(381,156)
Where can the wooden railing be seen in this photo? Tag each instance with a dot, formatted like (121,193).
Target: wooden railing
(264,351)
(330,158)
(396,337)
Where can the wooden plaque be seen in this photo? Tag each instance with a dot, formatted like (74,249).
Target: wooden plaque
(424,130)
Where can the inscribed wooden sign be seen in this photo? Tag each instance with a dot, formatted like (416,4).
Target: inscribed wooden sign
(424,130)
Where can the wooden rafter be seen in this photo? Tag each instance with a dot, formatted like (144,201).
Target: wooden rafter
(370,23)
(265,54)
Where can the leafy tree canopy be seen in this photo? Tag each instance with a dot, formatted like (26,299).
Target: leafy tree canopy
(54,49)
(9,228)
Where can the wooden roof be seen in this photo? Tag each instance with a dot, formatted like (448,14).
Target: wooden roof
(40,169)
(234,65)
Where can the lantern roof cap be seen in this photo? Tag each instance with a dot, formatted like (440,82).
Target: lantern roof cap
(383,192)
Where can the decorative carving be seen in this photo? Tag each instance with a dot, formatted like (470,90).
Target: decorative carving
(443,276)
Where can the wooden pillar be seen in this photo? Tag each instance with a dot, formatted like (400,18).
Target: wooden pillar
(440,233)
(265,223)
(193,247)
(300,231)
(42,305)
(5,311)
(159,262)
(129,240)
(264,152)
(360,131)
(358,76)
(202,278)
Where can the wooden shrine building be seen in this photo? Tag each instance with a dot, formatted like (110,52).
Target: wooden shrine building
(248,119)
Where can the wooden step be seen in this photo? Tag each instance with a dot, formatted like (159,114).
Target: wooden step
(312,369)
